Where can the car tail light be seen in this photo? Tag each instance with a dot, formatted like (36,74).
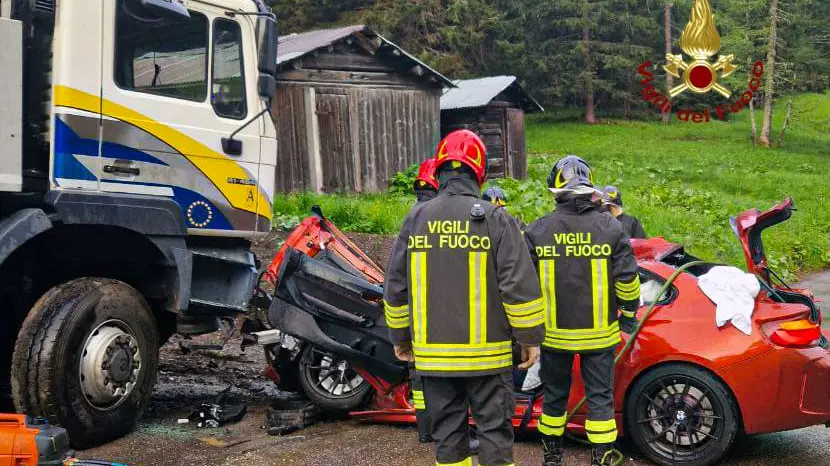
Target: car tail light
(795,333)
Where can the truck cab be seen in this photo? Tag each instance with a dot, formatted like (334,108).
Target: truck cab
(137,159)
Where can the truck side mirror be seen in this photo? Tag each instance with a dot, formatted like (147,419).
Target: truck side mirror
(267,38)
(166,8)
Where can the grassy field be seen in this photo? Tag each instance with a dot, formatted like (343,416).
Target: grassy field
(683,181)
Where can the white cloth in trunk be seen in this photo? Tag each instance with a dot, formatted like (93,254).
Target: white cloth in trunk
(734,292)
(532,380)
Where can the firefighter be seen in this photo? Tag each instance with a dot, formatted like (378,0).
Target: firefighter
(426,186)
(459,284)
(587,270)
(495,195)
(631,225)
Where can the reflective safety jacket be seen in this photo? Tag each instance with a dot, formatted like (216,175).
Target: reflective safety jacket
(460,283)
(587,271)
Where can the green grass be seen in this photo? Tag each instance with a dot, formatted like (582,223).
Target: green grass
(682,180)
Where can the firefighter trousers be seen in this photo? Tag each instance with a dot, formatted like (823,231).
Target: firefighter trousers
(598,375)
(421,416)
(449,401)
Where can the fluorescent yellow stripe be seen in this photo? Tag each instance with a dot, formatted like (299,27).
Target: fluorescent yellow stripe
(477,289)
(467,462)
(482,281)
(422,271)
(552,425)
(214,165)
(628,296)
(582,344)
(458,365)
(527,322)
(594,292)
(628,313)
(584,332)
(418,400)
(523,308)
(547,277)
(397,322)
(605,293)
(628,286)
(467,359)
(576,335)
(397,314)
(472,297)
(601,431)
(417,274)
(395,309)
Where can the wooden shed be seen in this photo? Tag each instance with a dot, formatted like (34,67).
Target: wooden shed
(352,108)
(494,108)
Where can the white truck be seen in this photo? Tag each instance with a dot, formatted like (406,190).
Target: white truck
(137,159)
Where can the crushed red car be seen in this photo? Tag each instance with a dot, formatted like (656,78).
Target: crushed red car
(685,390)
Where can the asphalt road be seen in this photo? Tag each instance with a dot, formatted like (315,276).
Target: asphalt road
(187,381)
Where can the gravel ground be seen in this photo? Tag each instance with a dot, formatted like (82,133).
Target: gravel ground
(188,379)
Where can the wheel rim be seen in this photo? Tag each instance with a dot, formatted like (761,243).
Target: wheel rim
(679,418)
(109,366)
(331,376)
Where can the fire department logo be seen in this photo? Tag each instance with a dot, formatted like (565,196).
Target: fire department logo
(700,40)
(700,74)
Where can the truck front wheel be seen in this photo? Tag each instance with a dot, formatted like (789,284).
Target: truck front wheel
(86,359)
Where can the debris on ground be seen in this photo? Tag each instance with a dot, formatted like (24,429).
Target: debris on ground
(212,415)
(287,416)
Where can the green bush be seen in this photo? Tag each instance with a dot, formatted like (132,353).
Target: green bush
(401,184)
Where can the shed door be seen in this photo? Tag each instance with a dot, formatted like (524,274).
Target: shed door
(515,144)
(336,152)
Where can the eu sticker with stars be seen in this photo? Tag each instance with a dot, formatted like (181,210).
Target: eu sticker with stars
(199,214)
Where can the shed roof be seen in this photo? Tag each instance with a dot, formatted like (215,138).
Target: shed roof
(476,93)
(294,46)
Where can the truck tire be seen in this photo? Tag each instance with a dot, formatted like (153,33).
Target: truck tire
(86,359)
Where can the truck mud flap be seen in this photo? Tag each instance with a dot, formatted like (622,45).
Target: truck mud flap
(298,323)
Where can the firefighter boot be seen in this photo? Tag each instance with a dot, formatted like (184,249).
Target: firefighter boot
(552,445)
(606,455)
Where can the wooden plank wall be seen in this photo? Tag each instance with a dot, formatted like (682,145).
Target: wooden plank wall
(366,134)
(396,128)
(502,130)
(516,143)
(293,169)
(371,120)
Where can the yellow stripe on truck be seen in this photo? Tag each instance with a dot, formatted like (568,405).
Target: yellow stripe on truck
(213,164)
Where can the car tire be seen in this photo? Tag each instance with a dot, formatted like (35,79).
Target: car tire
(679,414)
(86,359)
(314,373)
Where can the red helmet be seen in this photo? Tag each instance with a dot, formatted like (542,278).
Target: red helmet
(426,175)
(466,147)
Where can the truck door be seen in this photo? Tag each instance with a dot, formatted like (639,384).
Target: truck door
(172,90)
(76,95)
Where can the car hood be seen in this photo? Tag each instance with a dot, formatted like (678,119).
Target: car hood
(748,227)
